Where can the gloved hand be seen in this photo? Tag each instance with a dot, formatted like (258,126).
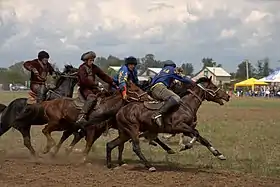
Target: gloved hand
(124,96)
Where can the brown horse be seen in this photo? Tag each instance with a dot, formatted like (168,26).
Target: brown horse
(181,121)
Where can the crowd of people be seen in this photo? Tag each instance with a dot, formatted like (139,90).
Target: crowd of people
(259,91)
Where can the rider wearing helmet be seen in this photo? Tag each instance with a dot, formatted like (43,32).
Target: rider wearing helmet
(86,81)
(126,73)
(160,89)
(39,69)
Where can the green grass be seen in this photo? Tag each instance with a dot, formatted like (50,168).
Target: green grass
(245,130)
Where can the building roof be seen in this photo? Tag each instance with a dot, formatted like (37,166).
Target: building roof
(218,71)
(115,68)
(156,70)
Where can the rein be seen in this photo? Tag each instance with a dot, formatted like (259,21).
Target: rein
(206,91)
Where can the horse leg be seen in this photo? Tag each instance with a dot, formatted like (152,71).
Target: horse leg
(209,146)
(77,137)
(137,150)
(120,159)
(164,146)
(64,137)
(26,139)
(119,141)
(47,132)
(91,136)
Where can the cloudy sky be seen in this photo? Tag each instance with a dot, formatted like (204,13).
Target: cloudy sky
(180,30)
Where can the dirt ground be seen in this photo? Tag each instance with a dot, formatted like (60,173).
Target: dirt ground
(21,171)
(240,134)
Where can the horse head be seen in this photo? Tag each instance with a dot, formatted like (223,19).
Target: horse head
(66,81)
(212,92)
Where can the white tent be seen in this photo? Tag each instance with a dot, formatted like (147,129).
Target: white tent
(273,77)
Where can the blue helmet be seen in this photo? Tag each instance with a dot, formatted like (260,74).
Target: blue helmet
(130,60)
(169,63)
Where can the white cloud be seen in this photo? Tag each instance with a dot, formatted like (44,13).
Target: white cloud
(183,30)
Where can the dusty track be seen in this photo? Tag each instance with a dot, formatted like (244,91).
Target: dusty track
(19,170)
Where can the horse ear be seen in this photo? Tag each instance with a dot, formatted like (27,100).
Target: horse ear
(210,78)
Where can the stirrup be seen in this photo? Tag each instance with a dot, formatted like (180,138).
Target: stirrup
(157,116)
(80,119)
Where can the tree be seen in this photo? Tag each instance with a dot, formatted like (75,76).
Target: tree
(260,69)
(149,61)
(241,70)
(263,68)
(266,69)
(188,68)
(209,62)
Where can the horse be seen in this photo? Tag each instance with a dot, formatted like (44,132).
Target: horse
(181,121)
(64,87)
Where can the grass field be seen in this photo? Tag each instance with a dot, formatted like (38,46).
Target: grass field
(245,130)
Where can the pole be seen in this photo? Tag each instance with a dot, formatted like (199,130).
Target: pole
(247,69)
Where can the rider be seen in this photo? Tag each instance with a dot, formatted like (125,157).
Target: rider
(86,81)
(160,89)
(39,69)
(127,72)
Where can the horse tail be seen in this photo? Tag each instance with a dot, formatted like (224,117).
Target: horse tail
(10,112)
(2,107)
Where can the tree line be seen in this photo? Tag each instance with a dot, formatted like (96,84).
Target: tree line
(16,73)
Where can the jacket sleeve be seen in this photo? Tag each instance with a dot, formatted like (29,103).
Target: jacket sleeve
(136,77)
(28,65)
(122,78)
(179,78)
(51,70)
(83,76)
(103,76)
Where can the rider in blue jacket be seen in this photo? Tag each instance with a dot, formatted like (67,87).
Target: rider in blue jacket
(127,72)
(160,89)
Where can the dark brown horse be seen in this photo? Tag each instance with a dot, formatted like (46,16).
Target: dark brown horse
(137,117)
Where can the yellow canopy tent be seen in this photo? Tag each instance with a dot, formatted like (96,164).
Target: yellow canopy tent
(250,82)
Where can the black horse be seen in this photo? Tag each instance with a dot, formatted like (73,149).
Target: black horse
(64,87)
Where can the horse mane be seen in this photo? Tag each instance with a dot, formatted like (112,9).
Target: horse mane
(202,79)
(67,68)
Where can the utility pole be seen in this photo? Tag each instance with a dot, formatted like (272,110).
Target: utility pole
(247,68)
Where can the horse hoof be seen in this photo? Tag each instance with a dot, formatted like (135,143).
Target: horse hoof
(152,169)
(88,164)
(109,166)
(171,152)
(123,165)
(221,157)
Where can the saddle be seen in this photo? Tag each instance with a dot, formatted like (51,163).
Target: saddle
(32,98)
(153,105)
(80,101)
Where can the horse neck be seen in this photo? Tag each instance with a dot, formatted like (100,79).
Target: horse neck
(65,89)
(195,98)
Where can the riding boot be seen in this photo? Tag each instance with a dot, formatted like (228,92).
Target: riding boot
(163,110)
(87,106)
